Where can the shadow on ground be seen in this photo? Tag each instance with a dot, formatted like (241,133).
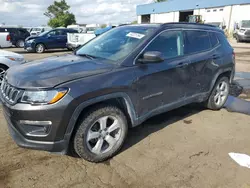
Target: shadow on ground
(159,122)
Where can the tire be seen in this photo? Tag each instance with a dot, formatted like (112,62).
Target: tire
(20,44)
(238,39)
(86,143)
(219,96)
(3,69)
(40,48)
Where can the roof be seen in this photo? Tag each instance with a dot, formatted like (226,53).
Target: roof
(181,5)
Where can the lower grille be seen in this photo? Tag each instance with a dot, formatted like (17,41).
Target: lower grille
(10,93)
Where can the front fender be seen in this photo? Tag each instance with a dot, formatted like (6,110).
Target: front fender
(85,104)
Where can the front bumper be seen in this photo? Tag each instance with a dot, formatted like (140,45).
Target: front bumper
(55,140)
(244,37)
(30,47)
(72,46)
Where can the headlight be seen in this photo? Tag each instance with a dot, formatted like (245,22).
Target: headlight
(14,58)
(242,30)
(43,97)
(30,41)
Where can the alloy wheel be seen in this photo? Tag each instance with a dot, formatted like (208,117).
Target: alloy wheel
(103,134)
(2,72)
(222,91)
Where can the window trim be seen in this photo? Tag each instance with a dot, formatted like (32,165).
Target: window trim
(182,30)
(163,31)
(209,49)
(218,42)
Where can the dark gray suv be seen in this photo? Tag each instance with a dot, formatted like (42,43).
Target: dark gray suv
(87,100)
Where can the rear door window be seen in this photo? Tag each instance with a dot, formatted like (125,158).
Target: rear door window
(169,43)
(196,41)
(213,38)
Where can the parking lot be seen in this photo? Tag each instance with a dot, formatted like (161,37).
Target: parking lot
(187,147)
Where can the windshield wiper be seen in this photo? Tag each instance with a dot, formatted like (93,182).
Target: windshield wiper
(88,56)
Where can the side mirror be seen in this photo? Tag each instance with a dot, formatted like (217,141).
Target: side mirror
(152,57)
(224,27)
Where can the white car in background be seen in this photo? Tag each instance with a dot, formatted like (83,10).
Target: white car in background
(7,60)
(38,30)
(5,40)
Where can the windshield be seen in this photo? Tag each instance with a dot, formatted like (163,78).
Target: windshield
(245,23)
(36,29)
(117,43)
(44,33)
(91,28)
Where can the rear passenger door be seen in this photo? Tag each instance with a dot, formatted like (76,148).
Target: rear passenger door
(199,50)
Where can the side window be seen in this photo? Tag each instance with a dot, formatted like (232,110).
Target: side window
(213,39)
(63,32)
(54,33)
(196,41)
(222,38)
(169,43)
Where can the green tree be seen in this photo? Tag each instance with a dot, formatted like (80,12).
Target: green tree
(134,22)
(59,15)
(103,25)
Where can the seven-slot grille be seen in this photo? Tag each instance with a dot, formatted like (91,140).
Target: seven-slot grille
(10,93)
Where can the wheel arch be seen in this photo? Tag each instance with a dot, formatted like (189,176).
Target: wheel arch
(41,43)
(228,72)
(121,100)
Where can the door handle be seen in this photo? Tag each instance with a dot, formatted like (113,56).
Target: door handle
(182,65)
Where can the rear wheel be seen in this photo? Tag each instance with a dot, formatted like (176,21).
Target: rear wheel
(40,48)
(20,43)
(3,69)
(101,134)
(219,94)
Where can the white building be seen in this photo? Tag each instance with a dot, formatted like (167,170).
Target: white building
(226,12)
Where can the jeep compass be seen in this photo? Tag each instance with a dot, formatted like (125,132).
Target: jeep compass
(86,101)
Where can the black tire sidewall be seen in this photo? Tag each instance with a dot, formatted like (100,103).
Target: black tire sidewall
(80,143)
(211,103)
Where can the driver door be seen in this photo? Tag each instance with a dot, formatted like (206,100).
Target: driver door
(53,39)
(162,84)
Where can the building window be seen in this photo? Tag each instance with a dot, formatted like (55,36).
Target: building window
(221,9)
(208,11)
(214,10)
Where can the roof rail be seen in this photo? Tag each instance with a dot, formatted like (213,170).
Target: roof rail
(188,23)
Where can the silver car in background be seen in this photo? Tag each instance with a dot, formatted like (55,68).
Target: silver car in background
(7,60)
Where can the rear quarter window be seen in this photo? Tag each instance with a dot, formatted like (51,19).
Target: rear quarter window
(213,38)
(196,41)
(222,39)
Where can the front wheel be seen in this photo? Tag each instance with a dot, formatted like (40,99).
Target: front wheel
(219,94)
(101,134)
(3,69)
(40,48)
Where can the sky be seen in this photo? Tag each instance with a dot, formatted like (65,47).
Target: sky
(30,12)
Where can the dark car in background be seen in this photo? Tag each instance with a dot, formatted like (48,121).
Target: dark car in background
(53,39)
(85,102)
(17,35)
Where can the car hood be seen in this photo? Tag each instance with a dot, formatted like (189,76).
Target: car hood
(32,37)
(53,71)
(4,53)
